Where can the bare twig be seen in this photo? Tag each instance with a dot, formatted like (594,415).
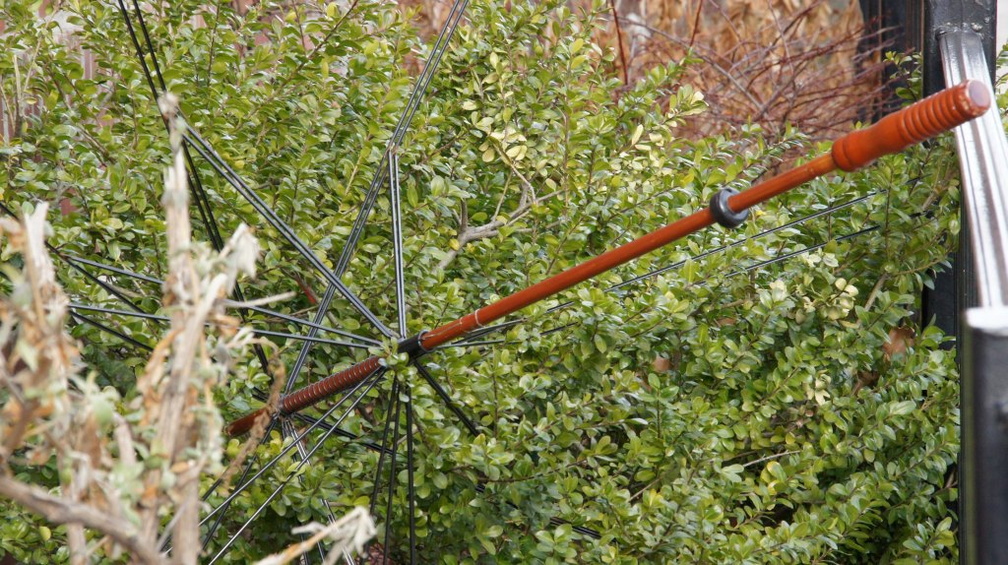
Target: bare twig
(768,458)
(621,48)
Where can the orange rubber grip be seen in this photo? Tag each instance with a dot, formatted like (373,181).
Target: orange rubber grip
(913,124)
(305,397)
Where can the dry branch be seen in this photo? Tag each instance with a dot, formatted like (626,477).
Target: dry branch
(173,433)
(58,510)
(50,413)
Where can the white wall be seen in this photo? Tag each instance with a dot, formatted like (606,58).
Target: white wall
(1002,31)
(1002,23)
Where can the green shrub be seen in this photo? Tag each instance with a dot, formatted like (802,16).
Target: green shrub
(736,408)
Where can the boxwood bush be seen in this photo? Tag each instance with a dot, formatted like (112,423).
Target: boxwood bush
(768,395)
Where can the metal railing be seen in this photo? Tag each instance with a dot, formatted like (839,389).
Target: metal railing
(983,158)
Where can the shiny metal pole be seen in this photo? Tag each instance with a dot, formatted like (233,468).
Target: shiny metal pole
(983,159)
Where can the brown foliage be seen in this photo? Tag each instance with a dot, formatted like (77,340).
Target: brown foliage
(765,62)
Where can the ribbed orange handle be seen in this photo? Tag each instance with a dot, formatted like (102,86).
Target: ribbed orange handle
(913,124)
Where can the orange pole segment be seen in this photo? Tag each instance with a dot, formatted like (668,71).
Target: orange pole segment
(782,183)
(920,121)
(579,273)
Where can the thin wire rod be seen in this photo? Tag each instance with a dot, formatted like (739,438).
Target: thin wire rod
(376,485)
(361,219)
(271,217)
(301,337)
(63,257)
(248,465)
(827,211)
(469,340)
(313,327)
(227,504)
(447,30)
(104,285)
(136,44)
(293,472)
(238,305)
(306,347)
(317,423)
(503,326)
(80,317)
(410,484)
(446,398)
(192,173)
(437,52)
(8,211)
(117,312)
(111,331)
(228,173)
(474,343)
(287,430)
(202,204)
(113,269)
(302,417)
(256,331)
(397,242)
(202,200)
(471,427)
(802,251)
(553,521)
(392,481)
(365,210)
(276,458)
(150,45)
(764,263)
(585,531)
(70,259)
(750,268)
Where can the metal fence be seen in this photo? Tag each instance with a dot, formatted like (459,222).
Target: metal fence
(961,34)
(957,39)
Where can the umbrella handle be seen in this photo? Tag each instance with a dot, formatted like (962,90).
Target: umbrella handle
(915,123)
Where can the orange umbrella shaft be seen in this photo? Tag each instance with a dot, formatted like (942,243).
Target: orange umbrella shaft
(342,380)
(920,121)
(579,273)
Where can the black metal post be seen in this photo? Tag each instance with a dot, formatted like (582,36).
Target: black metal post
(890,27)
(984,488)
(977,16)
